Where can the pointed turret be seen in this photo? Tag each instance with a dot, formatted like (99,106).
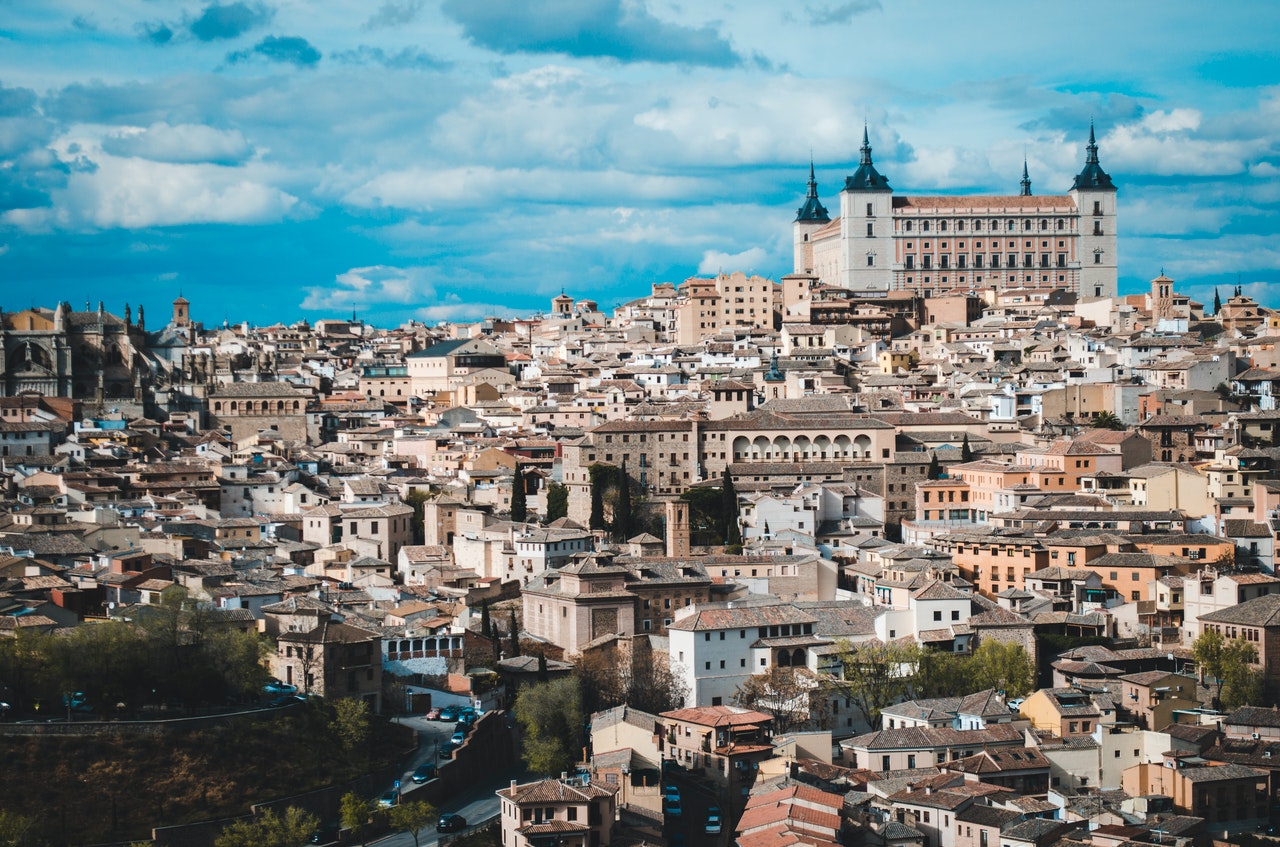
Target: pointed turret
(812,211)
(1026,179)
(866,178)
(1092,176)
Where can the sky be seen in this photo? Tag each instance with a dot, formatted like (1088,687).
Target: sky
(278,160)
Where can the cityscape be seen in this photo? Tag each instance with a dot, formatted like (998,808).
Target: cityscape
(909,480)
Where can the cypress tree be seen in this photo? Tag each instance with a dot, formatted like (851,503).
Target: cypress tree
(515,635)
(519,507)
(486,625)
(1217,302)
(542,667)
(935,468)
(597,497)
(622,511)
(729,511)
(966,452)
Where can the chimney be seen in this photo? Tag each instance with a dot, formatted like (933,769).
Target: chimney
(513,785)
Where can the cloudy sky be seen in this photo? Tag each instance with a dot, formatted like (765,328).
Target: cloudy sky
(444,159)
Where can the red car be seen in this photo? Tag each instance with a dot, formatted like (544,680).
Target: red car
(433,715)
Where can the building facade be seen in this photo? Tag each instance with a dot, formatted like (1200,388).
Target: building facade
(885,242)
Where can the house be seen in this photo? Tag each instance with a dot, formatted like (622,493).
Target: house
(727,741)
(1257,621)
(1228,796)
(333,660)
(1065,712)
(557,813)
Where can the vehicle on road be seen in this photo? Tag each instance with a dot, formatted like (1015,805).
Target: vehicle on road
(275,686)
(433,715)
(672,804)
(714,823)
(424,772)
(1015,705)
(389,799)
(450,822)
(447,748)
(449,713)
(459,737)
(326,834)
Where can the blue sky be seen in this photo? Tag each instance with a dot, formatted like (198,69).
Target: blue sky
(445,159)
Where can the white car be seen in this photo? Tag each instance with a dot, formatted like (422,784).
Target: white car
(713,821)
(1015,706)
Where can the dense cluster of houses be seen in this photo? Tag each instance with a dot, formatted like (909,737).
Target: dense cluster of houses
(1018,466)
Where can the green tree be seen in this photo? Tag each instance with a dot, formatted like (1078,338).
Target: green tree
(876,675)
(1217,301)
(599,482)
(352,727)
(519,505)
(291,829)
(557,501)
(1239,684)
(353,814)
(1207,650)
(935,467)
(732,532)
(1002,666)
(551,714)
(486,625)
(18,830)
(515,635)
(793,695)
(941,674)
(622,518)
(1106,420)
(417,500)
(411,817)
(966,452)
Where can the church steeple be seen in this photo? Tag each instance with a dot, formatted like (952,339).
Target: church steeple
(812,211)
(866,178)
(1092,176)
(1026,179)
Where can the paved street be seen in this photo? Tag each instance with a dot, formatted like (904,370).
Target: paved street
(475,803)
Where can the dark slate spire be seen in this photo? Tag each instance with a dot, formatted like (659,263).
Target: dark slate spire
(1093,177)
(812,211)
(1026,179)
(866,178)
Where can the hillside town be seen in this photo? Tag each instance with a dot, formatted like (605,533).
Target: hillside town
(881,553)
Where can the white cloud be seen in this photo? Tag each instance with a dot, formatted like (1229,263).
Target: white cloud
(180,144)
(465,311)
(377,284)
(714,261)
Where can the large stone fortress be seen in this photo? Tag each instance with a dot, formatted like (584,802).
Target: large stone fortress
(933,245)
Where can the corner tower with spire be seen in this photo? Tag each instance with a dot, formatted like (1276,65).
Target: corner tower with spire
(866,226)
(1095,196)
(810,218)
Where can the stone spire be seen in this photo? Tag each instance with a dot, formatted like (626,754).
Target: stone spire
(1093,176)
(866,178)
(812,211)
(1026,179)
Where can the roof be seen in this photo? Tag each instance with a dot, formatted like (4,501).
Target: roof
(556,791)
(1260,611)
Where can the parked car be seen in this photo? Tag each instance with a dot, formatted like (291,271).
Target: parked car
(433,715)
(424,772)
(459,737)
(77,702)
(275,686)
(326,834)
(389,799)
(1015,705)
(450,822)
(714,823)
(449,713)
(673,805)
(447,748)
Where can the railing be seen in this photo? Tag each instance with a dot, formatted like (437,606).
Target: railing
(470,830)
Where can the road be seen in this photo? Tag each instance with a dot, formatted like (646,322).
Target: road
(475,803)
